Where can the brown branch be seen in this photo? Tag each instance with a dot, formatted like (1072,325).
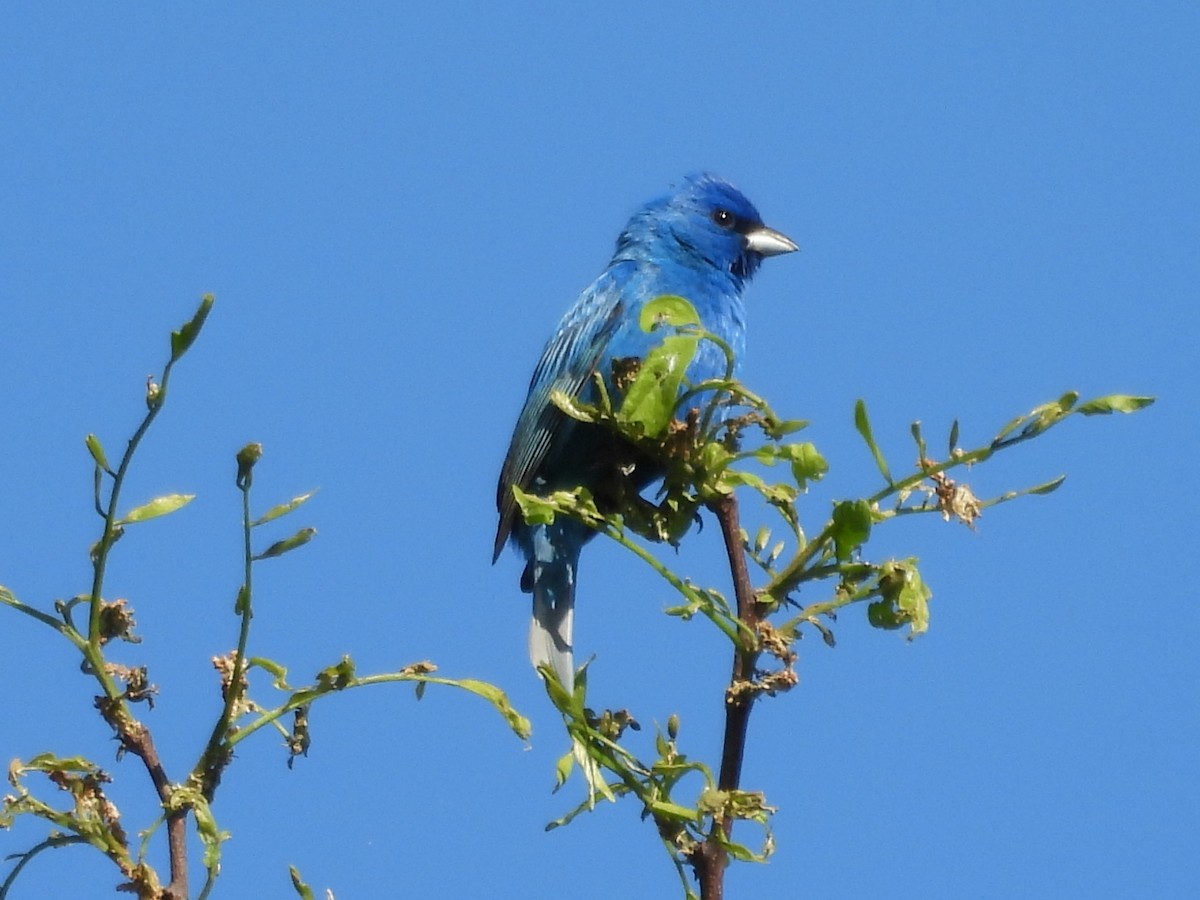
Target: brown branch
(135,738)
(738,702)
(709,859)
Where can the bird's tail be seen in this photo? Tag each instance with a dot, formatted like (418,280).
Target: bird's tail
(552,568)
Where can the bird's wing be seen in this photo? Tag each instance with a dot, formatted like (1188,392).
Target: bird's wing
(567,364)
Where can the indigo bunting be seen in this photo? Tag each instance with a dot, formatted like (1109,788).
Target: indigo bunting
(702,241)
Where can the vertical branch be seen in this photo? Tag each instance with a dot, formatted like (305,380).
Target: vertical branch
(738,703)
(156,395)
(217,752)
(136,739)
(134,736)
(709,859)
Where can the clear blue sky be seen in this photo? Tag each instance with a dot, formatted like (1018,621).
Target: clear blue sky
(393,203)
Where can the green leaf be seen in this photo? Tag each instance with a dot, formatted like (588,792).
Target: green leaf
(762,539)
(851,527)
(650,400)
(1008,429)
(97,451)
(715,456)
(1068,400)
(919,439)
(211,837)
(562,769)
(767,454)
(807,463)
(1122,403)
(905,598)
(777,429)
(535,510)
(159,506)
(567,404)
(882,614)
(1048,487)
(667,309)
(953,444)
(277,671)
(337,677)
(282,509)
(863,424)
(733,477)
(1044,488)
(48,762)
(302,889)
(662,809)
(493,695)
(1049,414)
(182,339)
(1040,418)
(299,539)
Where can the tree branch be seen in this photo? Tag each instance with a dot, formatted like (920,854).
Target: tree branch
(135,738)
(737,702)
(709,859)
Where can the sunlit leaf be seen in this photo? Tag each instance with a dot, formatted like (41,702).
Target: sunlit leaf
(667,309)
(807,463)
(182,339)
(1049,414)
(904,598)
(302,889)
(282,509)
(97,451)
(673,811)
(48,762)
(159,506)
(299,539)
(535,510)
(568,404)
(489,692)
(1048,487)
(1122,403)
(1008,429)
(882,614)
(762,539)
(562,769)
(650,400)
(851,527)
(863,424)
(278,672)
(782,428)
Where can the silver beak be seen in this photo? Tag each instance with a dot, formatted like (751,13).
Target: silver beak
(769,242)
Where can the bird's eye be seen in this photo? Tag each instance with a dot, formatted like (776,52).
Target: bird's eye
(724,218)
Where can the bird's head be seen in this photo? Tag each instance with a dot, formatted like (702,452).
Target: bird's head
(704,221)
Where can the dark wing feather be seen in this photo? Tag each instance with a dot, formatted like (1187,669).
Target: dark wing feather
(567,363)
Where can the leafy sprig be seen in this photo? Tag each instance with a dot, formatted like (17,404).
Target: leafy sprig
(92,818)
(712,440)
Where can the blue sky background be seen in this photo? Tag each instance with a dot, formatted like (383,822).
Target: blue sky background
(996,202)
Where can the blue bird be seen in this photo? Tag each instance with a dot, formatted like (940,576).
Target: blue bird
(703,241)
